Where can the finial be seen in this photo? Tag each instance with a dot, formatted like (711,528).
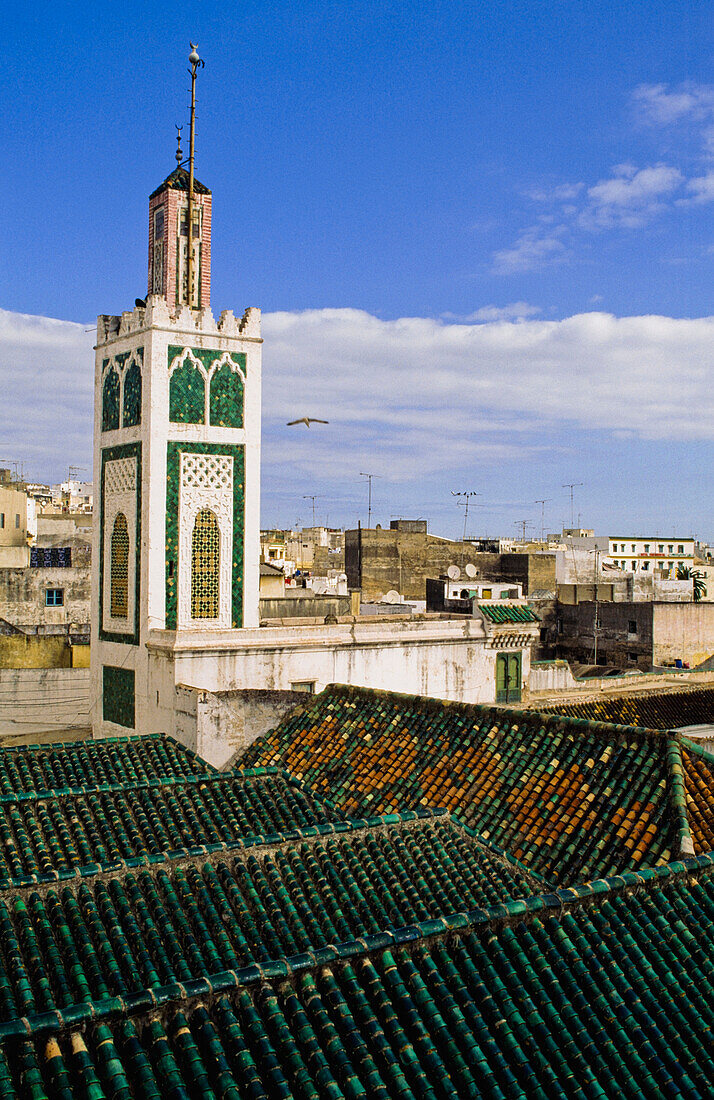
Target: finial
(193,56)
(179,154)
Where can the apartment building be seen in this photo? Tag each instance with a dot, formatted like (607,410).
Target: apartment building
(654,554)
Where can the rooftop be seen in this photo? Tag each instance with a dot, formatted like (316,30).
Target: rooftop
(571,799)
(178,181)
(653,709)
(395,955)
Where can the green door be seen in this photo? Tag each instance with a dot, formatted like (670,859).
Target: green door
(508,678)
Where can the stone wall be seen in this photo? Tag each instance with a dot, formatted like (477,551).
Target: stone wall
(617,643)
(22,596)
(377,560)
(683,632)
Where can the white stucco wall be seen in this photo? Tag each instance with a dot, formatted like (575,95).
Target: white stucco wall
(446,659)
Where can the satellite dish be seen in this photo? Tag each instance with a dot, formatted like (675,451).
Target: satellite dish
(471,570)
(392,597)
(453,572)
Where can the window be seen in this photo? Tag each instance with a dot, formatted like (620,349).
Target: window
(307,686)
(17,520)
(680,548)
(632,658)
(559,626)
(54,597)
(647,548)
(505,595)
(660,548)
(645,565)
(634,548)
(2,520)
(633,566)
(632,626)
(486,593)
(205,561)
(158,223)
(670,548)
(119,569)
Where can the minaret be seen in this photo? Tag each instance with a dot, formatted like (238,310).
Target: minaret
(177,464)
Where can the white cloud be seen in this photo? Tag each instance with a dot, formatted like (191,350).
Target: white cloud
(400,394)
(47,372)
(561,193)
(631,196)
(515,311)
(534,249)
(702,188)
(658,105)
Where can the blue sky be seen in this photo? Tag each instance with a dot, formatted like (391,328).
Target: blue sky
(489,172)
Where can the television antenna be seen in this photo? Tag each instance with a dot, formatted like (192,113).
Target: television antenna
(572,485)
(543,501)
(369,505)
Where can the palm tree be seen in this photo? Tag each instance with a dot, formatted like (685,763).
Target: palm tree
(699,588)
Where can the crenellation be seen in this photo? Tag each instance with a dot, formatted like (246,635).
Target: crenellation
(250,322)
(227,324)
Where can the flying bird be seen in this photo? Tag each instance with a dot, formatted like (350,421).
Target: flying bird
(307,421)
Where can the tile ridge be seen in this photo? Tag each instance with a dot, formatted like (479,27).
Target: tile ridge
(197,990)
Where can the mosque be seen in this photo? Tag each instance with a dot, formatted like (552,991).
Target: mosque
(177,438)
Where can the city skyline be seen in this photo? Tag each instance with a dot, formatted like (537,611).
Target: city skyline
(481,241)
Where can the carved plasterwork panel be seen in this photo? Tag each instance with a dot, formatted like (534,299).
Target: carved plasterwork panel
(206,482)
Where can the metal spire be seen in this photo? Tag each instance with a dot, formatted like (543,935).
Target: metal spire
(196,64)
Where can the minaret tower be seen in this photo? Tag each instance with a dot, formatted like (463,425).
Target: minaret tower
(176,461)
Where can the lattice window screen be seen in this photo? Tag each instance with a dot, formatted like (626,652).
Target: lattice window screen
(205,566)
(119,568)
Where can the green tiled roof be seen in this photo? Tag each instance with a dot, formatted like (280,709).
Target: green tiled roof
(597,992)
(79,764)
(508,613)
(178,181)
(660,710)
(570,799)
(45,835)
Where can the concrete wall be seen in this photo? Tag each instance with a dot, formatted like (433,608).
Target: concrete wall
(219,726)
(35,651)
(683,632)
(13,517)
(380,560)
(548,676)
(304,606)
(36,700)
(64,530)
(22,596)
(534,572)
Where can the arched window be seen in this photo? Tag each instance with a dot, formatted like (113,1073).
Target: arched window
(205,563)
(119,568)
(110,402)
(132,396)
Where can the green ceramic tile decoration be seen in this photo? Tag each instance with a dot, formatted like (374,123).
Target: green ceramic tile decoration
(187,387)
(118,695)
(110,400)
(226,397)
(187,394)
(131,415)
(108,454)
(173,458)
